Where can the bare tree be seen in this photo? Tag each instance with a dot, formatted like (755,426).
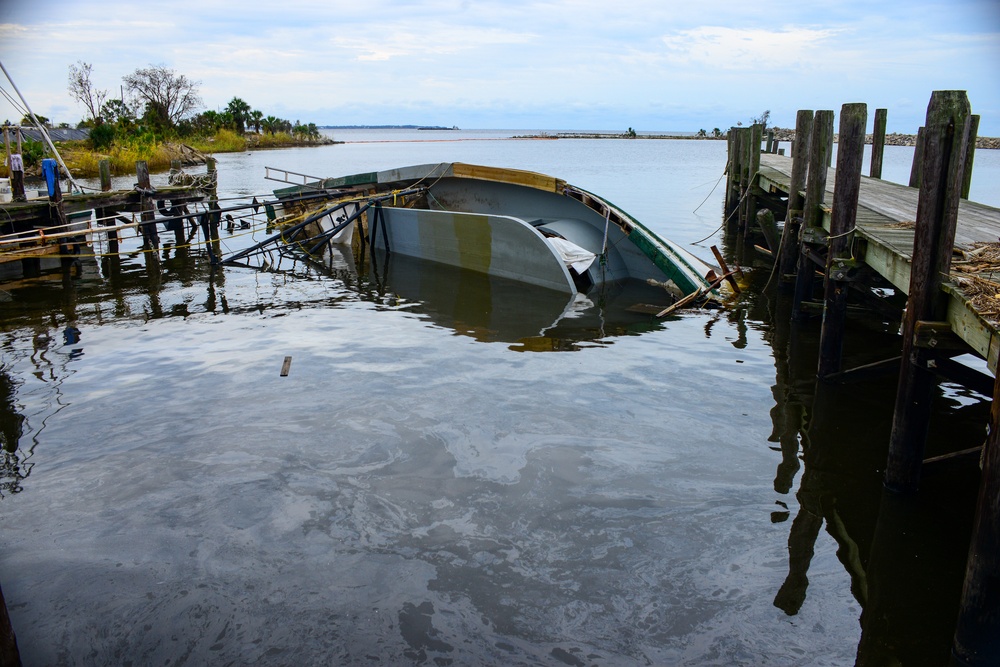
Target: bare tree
(81,88)
(762,119)
(168,96)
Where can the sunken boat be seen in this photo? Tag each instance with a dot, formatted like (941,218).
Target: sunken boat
(507,223)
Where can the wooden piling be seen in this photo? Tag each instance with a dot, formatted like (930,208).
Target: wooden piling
(918,153)
(977,634)
(943,161)
(769,146)
(820,147)
(150,235)
(104,170)
(788,252)
(850,155)
(970,152)
(878,143)
(733,175)
(755,137)
(742,140)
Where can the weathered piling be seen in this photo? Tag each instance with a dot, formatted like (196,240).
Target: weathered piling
(850,155)
(754,137)
(970,153)
(811,234)
(878,143)
(945,141)
(104,215)
(918,159)
(977,634)
(150,235)
(788,253)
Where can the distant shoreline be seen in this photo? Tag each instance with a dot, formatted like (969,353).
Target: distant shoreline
(780,134)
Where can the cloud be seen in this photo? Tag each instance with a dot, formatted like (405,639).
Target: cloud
(722,48)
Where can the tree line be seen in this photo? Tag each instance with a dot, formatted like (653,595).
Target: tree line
(158,104)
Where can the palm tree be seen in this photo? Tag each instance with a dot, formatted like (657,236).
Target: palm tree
(256,120)
(270,124)
(240,111)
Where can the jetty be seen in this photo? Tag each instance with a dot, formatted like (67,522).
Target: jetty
(922,249)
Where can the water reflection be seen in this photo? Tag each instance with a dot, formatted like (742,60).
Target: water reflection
(905,557)
(13,466)
(493,309)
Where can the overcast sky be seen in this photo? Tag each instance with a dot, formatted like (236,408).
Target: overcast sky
(520,64)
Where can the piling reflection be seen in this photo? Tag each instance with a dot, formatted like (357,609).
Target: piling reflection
(13,466)
(905,556)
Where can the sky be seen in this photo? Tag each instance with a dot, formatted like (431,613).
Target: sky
(653,65)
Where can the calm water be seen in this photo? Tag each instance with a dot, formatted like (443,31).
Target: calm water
(527,482)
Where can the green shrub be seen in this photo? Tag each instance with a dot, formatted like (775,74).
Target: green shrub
(101,136)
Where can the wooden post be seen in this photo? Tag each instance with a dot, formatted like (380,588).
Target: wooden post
(793,215)
(878,143)
(756,136)
(918,159)
(150,235)
(850,155)
(970,153)
(770,141)
(104,170)
(937,213)
(103,214)
(977,634)
(730,170)
(812,213)
(733,180)
(741,143)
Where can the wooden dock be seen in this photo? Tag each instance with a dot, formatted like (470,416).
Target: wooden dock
(884,238)
(925,241)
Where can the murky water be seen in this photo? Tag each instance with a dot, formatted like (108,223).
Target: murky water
(427,487)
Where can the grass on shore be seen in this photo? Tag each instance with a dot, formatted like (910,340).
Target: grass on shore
(84,162)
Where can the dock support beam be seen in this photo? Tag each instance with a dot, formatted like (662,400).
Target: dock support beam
(820,149)
(943,162)
(850,155)
(878,143)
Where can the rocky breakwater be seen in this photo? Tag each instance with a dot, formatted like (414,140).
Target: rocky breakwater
(894,139)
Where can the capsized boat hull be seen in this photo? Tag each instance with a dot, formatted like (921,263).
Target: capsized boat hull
(518,225)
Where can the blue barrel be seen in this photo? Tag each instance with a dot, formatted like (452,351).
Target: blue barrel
(50,170)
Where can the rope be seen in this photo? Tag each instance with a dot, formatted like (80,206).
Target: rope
(726,219)
(723,175)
